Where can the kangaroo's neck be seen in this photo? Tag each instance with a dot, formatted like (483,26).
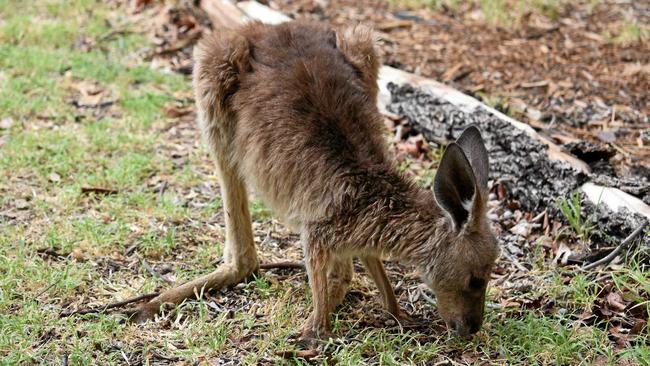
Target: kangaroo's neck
(416,232)
(403,222)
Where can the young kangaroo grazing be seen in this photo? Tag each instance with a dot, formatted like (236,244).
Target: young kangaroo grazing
(290,111)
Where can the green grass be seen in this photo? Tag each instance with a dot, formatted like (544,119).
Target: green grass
(632,31)
(571,208)
(128,148)
(496,101)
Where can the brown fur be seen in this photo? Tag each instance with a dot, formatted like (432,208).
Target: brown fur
(290,111)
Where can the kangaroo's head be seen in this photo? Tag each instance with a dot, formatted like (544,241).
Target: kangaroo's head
(461,269)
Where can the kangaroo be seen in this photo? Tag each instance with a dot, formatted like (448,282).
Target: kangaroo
(290,111)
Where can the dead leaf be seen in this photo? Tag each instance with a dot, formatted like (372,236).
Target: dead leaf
(90,95)
(620,338)
(54,178)
(21,204)
(78,255)
(174,111)
(639,324)
(636,68)
(615,301)
(563,253)
(142,3)
(6,123)
(389,26)
(523,229)
(409,147)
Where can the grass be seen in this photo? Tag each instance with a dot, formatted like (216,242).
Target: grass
(630,32)
(130,148)
(496,101)
(571,208)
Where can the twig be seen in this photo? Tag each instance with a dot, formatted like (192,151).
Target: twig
(282,265)
(426,296)
(306,354)
(162,190)
(98,190)
(115,32)
(514,261)
(153,272)
(102,309)
(539,217)
(46,289)
(608,258)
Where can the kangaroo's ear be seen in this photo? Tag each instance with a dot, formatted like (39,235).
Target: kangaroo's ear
(474,148)
(455,185)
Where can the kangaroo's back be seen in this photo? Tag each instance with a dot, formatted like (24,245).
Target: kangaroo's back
(300,119)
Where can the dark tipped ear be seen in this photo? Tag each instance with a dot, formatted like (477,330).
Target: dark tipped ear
(474,148)
(454,185)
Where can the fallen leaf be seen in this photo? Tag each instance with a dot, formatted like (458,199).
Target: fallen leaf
(78,255)
(409,147)
(6,123)
(639,324)
(523,229)
(563,253)
(21,204)
(615,301)
(54,178)
(174,111)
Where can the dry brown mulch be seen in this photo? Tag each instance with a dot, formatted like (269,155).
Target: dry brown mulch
(565,76)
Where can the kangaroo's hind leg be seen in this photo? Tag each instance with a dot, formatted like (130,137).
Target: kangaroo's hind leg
(219,60)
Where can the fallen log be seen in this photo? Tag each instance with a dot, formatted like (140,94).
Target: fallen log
(223,13)
(467,104)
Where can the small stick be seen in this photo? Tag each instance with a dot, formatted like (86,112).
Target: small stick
(617,250)
(98,190)
(102,309)
(306,354)
(282,265)
(514,261)
(153,272)
(429,299)
(161,191)
(46,289)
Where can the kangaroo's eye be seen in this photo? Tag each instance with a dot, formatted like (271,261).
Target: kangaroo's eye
(476,283)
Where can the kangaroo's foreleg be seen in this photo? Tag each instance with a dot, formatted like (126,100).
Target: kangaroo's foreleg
(317,262)
(375,267)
